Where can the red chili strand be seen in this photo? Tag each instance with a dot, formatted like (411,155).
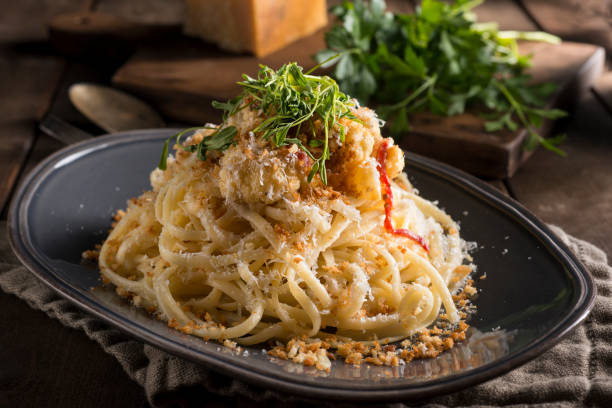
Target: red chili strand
(388,198)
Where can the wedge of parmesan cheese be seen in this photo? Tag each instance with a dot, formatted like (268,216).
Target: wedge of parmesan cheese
(257,26)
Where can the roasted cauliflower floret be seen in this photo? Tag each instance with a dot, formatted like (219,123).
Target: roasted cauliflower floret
(353,164)
(245,119)
(252,173)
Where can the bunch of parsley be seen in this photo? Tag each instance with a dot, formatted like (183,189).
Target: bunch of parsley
(438,59)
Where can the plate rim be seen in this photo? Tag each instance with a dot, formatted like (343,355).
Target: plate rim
(375,393)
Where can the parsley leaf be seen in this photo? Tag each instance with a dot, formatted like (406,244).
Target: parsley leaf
(220,140)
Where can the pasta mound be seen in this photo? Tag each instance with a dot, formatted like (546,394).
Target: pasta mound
(242,246)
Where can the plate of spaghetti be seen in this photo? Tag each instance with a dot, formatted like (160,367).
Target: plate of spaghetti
(293,246)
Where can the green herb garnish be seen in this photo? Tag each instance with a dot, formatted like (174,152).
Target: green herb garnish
(438,59)
(219,140)
(291,102)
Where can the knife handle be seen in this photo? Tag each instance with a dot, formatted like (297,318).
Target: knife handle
(63,131)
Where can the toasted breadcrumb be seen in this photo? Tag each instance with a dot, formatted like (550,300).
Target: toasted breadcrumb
(354,358)
(232,345)
(90,255)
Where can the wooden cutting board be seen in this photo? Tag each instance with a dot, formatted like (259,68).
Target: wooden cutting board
(182,77)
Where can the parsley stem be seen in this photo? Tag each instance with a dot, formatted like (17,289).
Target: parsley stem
(521,114)
(333,57)
(513,102)
(540,36)
(429,82)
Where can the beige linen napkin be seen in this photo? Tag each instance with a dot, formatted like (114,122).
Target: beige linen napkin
(576,372)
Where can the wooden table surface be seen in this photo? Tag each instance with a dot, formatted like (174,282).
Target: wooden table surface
(47,364)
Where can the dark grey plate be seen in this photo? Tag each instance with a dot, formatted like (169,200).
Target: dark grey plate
(534,293)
